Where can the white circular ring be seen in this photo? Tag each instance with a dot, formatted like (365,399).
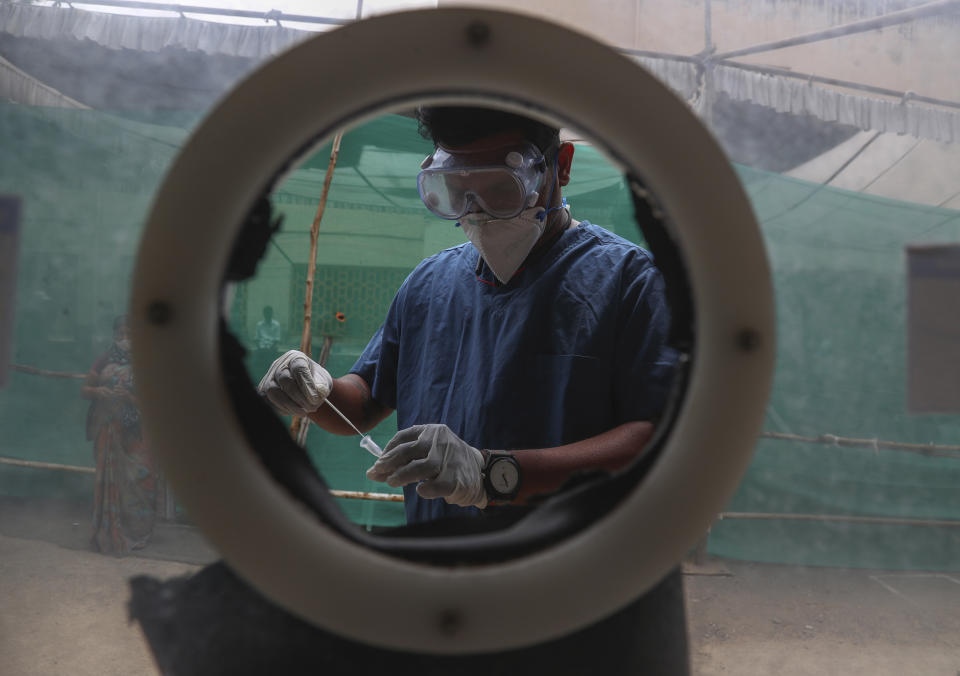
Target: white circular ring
(274,542)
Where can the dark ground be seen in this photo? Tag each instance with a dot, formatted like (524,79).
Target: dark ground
(67,524)
(64,607)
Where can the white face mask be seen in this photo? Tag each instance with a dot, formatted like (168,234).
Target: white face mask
(504,243)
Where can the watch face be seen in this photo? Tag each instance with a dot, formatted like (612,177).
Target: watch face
(504,475)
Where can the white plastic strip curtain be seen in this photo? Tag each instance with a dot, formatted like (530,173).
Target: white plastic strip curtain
(782,94)
(799,97)
(680,76)
(147,34)
(787,95)
(19,87)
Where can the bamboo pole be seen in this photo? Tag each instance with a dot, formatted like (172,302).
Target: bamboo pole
(931,449)
(322,360)
(755,516)
(936,450)
(46,465)
(878,520)
(49,374)
(306,337)
(364,495)
(395,497)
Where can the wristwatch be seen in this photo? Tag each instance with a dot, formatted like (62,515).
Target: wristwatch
(501,476)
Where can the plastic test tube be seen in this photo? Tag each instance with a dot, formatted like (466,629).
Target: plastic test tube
(366,441)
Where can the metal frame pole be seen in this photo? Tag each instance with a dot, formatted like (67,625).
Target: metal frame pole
(892,19)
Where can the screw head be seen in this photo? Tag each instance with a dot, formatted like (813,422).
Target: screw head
(159,312)
(450,622)
(748,340)
(478,33)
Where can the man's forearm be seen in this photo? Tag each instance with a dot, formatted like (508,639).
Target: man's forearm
(352,397)
(545,470)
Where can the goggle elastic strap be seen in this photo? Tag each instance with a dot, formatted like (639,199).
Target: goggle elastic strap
(562,205)
(563,202)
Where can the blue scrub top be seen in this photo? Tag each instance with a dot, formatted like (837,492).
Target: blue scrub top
(572,346)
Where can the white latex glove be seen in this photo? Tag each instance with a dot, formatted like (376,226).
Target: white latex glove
(295,384)
(449,467)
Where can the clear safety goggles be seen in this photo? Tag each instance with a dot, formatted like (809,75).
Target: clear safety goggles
(500,181)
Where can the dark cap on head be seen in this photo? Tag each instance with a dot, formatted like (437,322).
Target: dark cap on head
(453,126)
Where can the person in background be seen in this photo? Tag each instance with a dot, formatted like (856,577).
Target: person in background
(266,339)
(127,492)
(534,352)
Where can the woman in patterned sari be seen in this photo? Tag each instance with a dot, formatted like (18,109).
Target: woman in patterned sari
(126,491)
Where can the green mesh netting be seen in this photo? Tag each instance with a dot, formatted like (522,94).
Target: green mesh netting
(87,179)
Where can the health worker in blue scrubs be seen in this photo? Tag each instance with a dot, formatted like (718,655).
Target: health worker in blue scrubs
(529,354)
